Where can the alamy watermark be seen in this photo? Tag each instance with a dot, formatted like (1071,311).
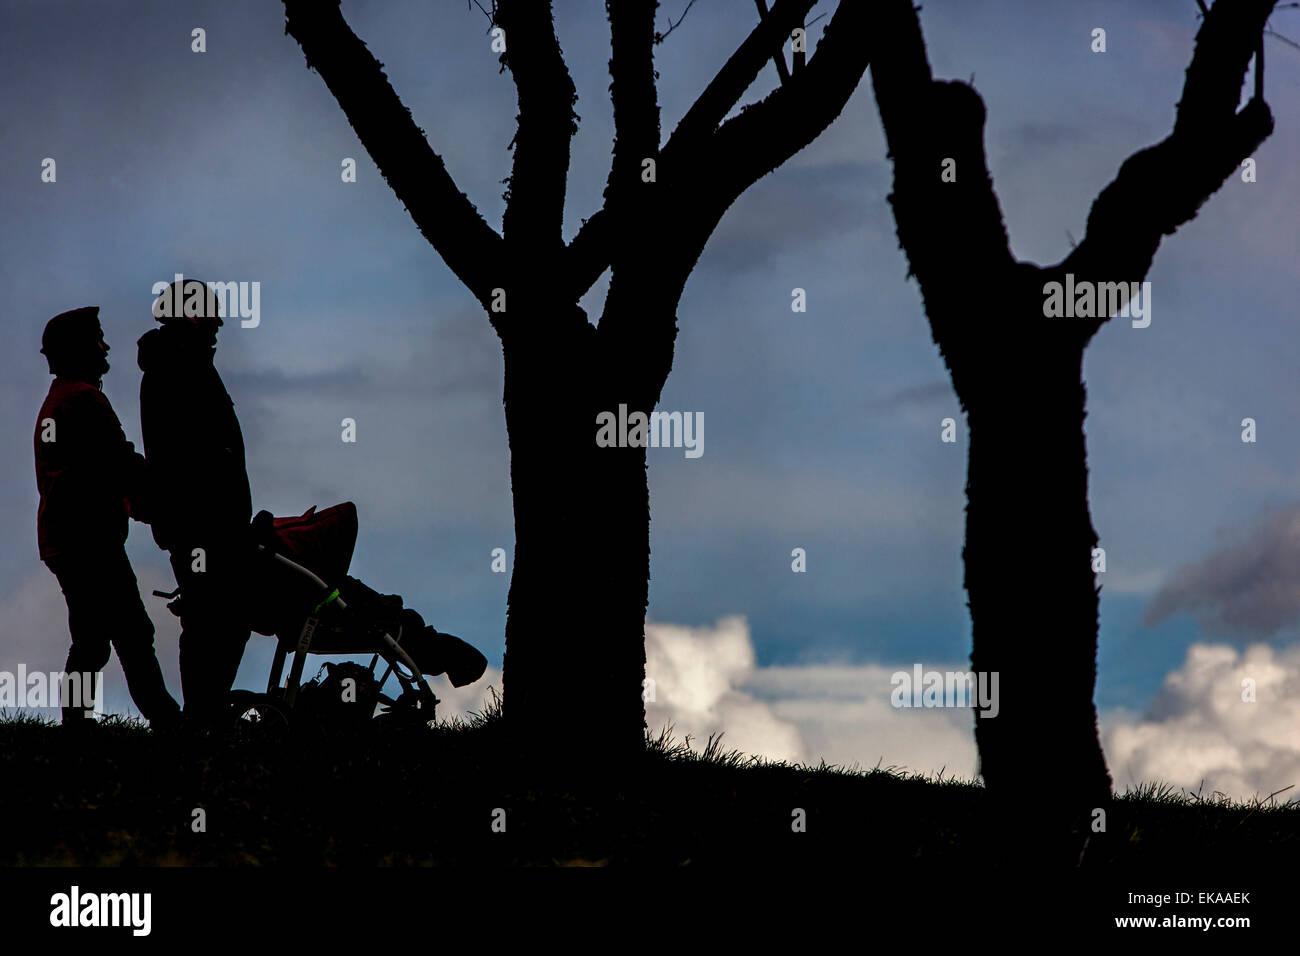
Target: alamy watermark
(922,688)
(1098,300)
(656,430)
(40,689)
(242,299)
(74,908)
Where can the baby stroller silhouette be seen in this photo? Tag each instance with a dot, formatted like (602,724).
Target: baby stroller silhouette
(299,592)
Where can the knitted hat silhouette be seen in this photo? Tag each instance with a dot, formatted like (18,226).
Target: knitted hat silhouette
(69,334)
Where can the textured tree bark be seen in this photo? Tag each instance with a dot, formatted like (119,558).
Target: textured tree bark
(575,626)
(1018,374)
(1033,593)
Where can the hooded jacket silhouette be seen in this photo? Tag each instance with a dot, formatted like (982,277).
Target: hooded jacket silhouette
(201,504)
(191,439)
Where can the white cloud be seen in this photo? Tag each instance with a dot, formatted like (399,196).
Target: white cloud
(1198,728)
(844,717)
(699,679)
(707,682)
(462,701)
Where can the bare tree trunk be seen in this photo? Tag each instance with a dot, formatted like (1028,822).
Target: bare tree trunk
(1017,371)
(1032,589)
(575,628)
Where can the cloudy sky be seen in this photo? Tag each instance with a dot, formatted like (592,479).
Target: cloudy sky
(823,427)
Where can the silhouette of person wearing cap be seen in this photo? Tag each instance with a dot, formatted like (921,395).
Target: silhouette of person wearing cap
(91,480)
(202,503)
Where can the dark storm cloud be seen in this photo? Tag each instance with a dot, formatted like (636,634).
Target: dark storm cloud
(1248,588)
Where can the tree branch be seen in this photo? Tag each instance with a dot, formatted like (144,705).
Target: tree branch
(587,254)
(1163,186)
(778,58)
(588,251)
(1229,35)
(416,173)
(534,215)
(926,124)
(661,37)
(950,227)
(737,75)
(763,136)
(635,226)
(636,117)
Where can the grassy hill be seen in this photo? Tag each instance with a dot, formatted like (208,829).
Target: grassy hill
(429,796)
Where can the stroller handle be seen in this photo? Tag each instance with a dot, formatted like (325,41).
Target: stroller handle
(305,572)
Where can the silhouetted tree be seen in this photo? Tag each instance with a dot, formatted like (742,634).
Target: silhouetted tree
(1033,595)
(575,642)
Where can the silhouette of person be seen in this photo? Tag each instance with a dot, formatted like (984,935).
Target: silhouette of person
(91,480)
(203,506)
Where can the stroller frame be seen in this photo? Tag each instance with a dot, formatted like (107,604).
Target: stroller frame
(416,695)
(293,594)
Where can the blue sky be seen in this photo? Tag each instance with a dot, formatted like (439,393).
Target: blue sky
(822,428)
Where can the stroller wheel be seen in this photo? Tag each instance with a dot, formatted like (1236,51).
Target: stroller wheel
(415,706)
(259,711)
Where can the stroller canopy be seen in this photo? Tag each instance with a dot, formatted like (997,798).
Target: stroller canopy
(277,598)
(281,598)
(322,541)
